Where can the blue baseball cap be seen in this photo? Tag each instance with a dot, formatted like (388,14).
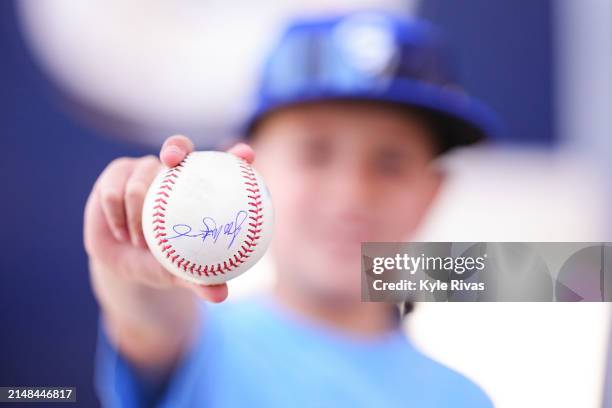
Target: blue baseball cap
(371,56)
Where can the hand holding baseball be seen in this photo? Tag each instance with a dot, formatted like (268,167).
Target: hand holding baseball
(113,219)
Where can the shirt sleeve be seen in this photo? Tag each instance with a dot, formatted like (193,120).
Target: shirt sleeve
(116,381)
(118,384)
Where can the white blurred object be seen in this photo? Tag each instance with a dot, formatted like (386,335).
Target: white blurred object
(527,355)
(583,56)
(522,354)
(519,195)
(169,66)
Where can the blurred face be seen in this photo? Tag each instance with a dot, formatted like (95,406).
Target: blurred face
(341,173)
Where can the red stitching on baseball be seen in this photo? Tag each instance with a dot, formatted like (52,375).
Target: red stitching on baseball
(241,255)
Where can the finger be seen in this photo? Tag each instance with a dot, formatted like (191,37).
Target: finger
(244,151)
(174,150)
(111,189)
(96,230)
(210,293)
(135,190)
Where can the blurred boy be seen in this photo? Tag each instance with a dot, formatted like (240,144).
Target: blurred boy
(352,112)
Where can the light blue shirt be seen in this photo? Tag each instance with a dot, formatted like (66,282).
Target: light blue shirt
(255,354)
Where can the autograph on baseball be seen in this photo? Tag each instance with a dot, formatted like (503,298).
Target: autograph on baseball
(230,229)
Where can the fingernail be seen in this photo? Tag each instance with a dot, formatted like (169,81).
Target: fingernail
(174,149)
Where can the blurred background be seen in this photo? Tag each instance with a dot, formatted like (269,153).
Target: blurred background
(85,82)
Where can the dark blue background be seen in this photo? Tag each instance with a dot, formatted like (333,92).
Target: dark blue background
(504,52)
(49,162)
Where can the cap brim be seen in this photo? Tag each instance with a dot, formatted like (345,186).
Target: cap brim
(459,118)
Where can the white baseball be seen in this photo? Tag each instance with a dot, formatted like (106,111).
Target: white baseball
(209,219)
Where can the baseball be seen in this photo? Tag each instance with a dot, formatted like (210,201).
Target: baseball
(209,219)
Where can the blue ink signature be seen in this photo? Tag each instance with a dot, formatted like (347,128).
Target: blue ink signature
(231,229)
